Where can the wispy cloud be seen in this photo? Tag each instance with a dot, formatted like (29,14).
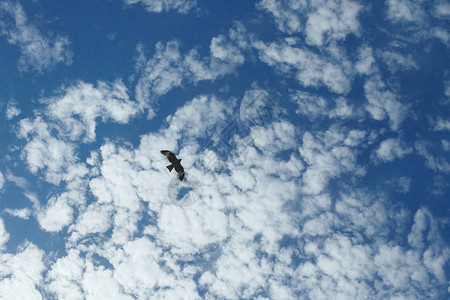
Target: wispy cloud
(169,68)
(39,52)
(157,6)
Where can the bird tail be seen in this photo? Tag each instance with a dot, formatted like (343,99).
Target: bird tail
(170,167)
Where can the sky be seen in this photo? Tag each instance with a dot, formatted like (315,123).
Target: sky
(315,137)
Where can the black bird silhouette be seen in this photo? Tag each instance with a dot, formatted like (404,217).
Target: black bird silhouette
(176,163)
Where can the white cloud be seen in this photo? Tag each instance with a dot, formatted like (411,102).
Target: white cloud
(433,161)
(405,11)
(138,271)
(12,110)
(285,14)
(21,273)
(2,180)
(314,106)
(39,52)
(99,283)
(392,149)
(332,20)
(445,145)
(322,21)
(208,111)
(65,275)
(383,103)
(43,151)
(72,116)
(401,184)
(278,216)
(274,137)
(4,235)
(307,67)
(309,105)
(442,10)
(157,6)
(23,213)
(56,215)
(161,73)
(168,68)
(418,22)
(440,124)
(342,110)
(95,219)
(337,264)
(77,109)
(190,230)
(447,88)
(366,63)
(426,228)
(328,155)
(18,181)
(183,231)
(442,34)
(233,237)
(398,61)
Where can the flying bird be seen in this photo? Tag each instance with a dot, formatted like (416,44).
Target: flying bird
(175,163)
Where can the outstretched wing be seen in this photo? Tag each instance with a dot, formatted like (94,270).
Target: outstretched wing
(172,158)
(180,171)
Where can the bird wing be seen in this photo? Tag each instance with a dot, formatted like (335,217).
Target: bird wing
(180,171)
(170,156)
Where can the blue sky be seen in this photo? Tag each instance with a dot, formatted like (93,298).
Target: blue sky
(314,135)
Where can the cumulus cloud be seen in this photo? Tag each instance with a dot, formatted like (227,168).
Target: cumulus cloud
(76,109)
(169,68)
(332,20)
(383,103)
(43,151)
(12,110)
(65,276)
(56,215)
(73,116)
(39,52)
(392,149)
(157,6)
(328,154)
(321,21)
(282,214)
(22,272)
(184,231)
(242,239)
(331,270)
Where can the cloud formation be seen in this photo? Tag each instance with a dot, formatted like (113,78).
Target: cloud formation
(157,6)
(39,52)
(285,168)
